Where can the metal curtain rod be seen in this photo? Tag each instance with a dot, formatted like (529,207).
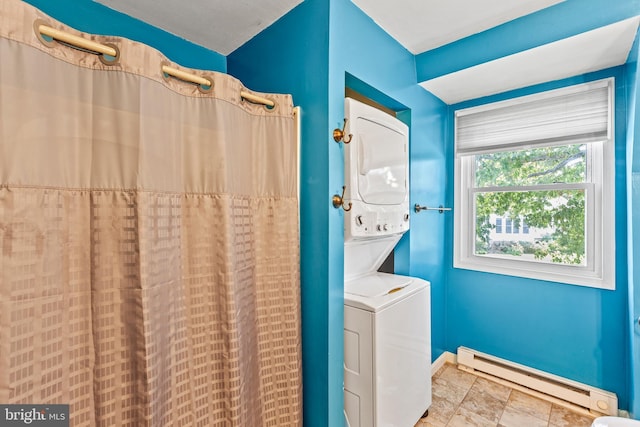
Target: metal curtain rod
(108,50)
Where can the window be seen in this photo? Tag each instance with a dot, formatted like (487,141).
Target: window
(543,164)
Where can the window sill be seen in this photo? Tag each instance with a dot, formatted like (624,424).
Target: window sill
(564,274)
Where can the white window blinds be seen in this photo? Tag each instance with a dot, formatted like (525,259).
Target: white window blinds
(580,113)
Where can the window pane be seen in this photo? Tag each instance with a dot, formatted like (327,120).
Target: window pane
(555,225)
(546,165)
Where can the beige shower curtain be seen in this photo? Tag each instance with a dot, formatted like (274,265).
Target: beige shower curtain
(149,271)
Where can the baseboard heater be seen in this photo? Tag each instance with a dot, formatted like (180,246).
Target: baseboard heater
(558,389)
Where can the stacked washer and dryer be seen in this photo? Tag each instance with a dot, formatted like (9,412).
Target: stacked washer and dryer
(387,330)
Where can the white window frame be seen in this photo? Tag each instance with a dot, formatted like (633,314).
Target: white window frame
(599,271)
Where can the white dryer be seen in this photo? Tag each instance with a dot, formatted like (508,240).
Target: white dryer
(387,332)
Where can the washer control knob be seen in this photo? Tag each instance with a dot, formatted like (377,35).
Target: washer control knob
(385,227)
(406,217)
(359,220)
(379,227)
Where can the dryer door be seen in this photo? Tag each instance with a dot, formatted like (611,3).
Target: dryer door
(382,163)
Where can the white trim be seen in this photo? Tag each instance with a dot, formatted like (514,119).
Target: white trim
(443,359)
(599,271)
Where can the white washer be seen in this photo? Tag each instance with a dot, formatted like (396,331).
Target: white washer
(387,369)
(387,332)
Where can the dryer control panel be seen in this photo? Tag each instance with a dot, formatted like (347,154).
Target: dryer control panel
(371,223)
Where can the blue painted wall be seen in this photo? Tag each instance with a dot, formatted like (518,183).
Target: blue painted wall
(565,19)
(575,332)
(633,211)
(91,17)
(367,59)
(324,45)
(315,67)
(292,56)
(572,331)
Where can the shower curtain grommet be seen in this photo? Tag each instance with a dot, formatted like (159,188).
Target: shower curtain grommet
(271,108)
(207,89)
(36,29)
(110,60)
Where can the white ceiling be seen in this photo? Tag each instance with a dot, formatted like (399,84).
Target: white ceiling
(419,25)
(590,51)
(220,25)
(422,25)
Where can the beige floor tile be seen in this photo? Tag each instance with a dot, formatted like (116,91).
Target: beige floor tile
(529,405)
(446,389)
(498,391)
(440,411)
(441,370)
(460,399)
(562,417)
(483,404)
(466,418)
(458,377)
(428,423)
(513,418)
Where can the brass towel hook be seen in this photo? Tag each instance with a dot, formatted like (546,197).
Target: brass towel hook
(338,135)
(339,200)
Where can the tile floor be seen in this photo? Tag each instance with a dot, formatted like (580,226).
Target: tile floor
(461,399)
